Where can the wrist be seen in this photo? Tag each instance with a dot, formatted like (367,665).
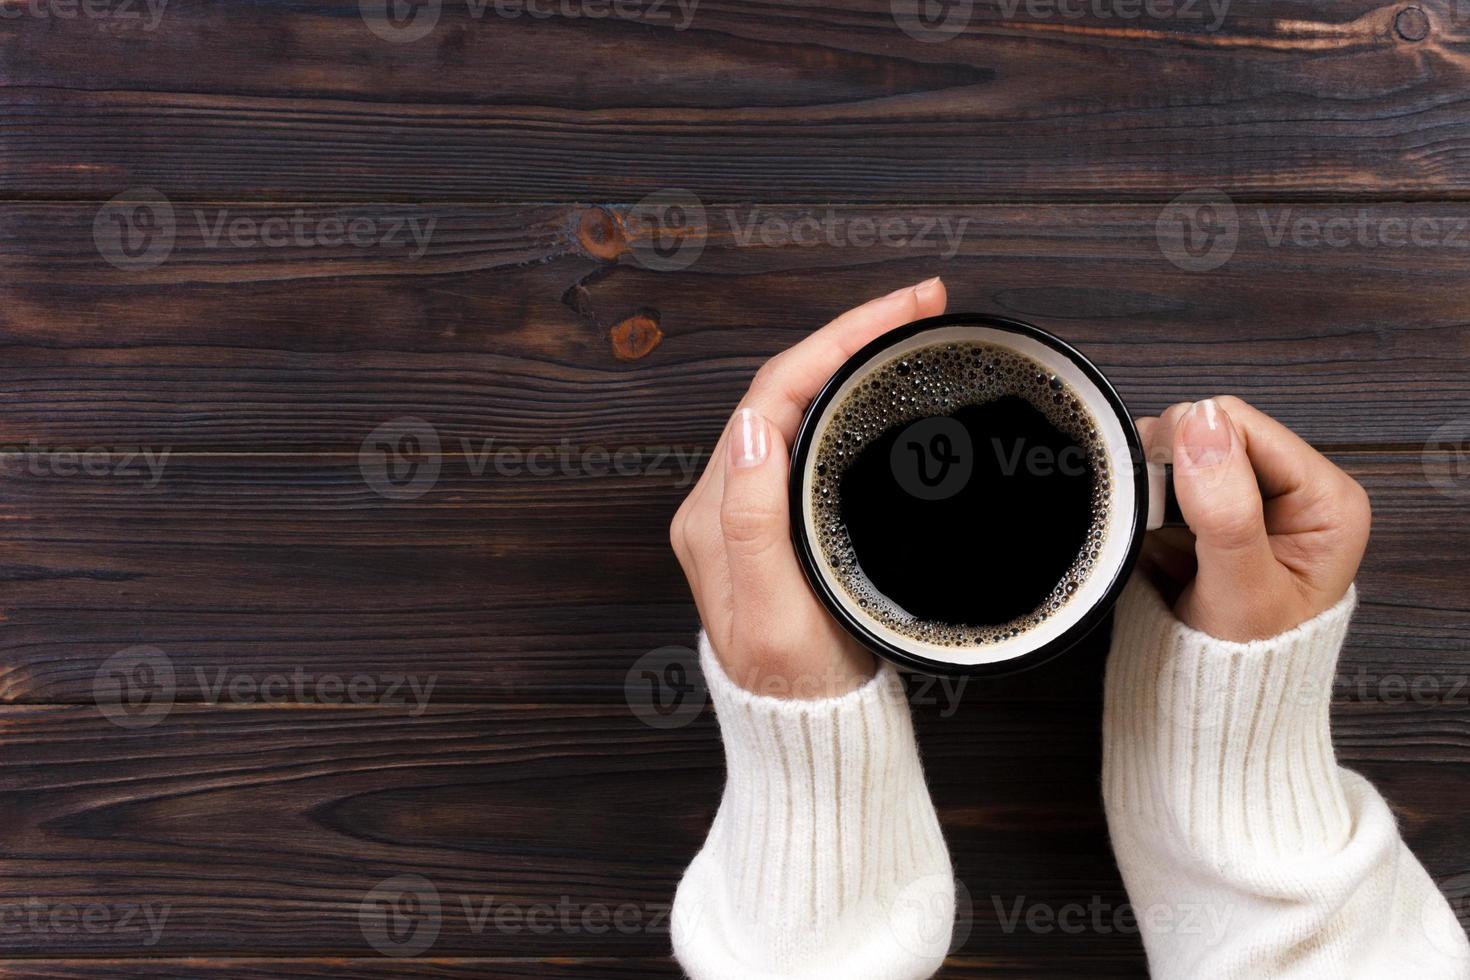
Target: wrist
(830,675)
(1236,612)
(827,663)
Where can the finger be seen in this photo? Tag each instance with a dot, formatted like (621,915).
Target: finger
(1284,462)
(1158,445)
(790,380)
(1167,556)
(1145,427)
(714,469)
(696,506)
(1295,480)
(704,499)
(764,574)
(1319,513)
(1220,500)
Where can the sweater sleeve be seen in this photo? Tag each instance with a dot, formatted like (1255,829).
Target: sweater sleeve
(1246,851)
(825,859)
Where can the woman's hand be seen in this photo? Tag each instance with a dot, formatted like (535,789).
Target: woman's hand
(733,536)
(1276,531)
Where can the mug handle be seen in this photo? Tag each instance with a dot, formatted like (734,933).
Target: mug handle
(1163,506)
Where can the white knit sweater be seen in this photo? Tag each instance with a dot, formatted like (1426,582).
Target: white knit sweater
(1246,851)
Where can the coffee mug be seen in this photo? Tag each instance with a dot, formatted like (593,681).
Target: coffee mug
(948,472)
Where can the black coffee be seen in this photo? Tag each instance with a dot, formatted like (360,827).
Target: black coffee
(960,494)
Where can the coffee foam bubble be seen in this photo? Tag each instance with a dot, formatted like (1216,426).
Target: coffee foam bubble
(934,381)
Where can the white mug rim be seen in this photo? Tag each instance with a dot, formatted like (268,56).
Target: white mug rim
(974,660)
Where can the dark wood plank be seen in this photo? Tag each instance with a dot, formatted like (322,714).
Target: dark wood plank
(262,831)
(343,967)
(535,325)
(751,101)
(340,968)
(492,588)
(525,779)
(486,587)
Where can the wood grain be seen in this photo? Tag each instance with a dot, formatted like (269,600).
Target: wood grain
(741,101)
(501,289)
(504,328)
(343,967)
(465,968)
(481,968)
(339,968)
(505,588)
(262,830)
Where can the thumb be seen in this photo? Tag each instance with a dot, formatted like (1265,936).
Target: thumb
(756,524)
(1221,502)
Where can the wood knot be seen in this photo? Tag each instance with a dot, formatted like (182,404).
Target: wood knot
(601,234)
(1412,24)
(636,336)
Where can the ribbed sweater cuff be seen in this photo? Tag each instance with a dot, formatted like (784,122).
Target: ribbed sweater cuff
(1224,745)
(825,827)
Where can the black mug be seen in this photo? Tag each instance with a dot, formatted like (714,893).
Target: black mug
(1139,495)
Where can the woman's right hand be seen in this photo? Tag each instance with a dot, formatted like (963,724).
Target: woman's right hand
(733,535)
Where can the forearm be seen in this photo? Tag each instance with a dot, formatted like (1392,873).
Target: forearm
(1246,851)
(825,858)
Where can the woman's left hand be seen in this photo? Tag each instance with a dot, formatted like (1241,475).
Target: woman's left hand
(1276,530)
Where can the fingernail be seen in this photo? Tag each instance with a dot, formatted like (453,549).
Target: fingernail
(925,287)
(749,444)
(1205,434)
(917,288)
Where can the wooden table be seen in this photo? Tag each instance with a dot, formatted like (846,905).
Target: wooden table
(443,233)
